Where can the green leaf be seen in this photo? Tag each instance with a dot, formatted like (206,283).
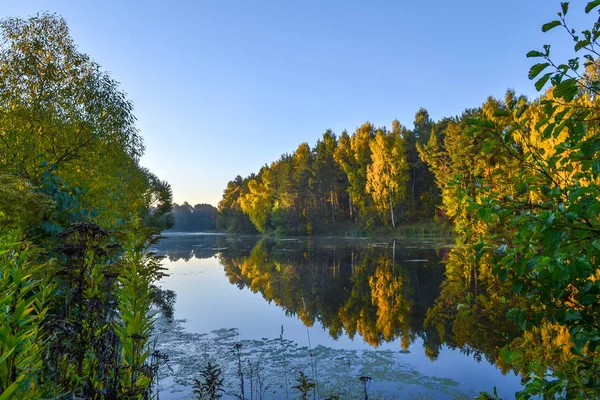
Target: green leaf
(589,299)
(546,49)
(559,128)
(550,25)
(12,389)
(521,187)
(591,5)
(535,53)
(542,122)
(580,44)
(596,167)
(565,7)
(567,89)
(484,214)
(517,287)
(542,81)
(521,110)
(573,315)
(560,115)
(547,132)
(536,69)
(501,113)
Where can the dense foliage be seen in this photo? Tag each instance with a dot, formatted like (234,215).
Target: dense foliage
(371,179)
(520,179)
(77,213)
(199,218)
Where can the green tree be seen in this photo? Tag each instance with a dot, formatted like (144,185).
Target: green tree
(69,162)
(423,191)
(284,214)
(301,178)
(328,179)
(230,217)
(66,126)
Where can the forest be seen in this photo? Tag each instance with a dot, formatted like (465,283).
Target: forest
(199,218)
(517,179)
(373,179)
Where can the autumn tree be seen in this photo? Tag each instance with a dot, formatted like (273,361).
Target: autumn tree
(257,202)
(387,172)
(354,155)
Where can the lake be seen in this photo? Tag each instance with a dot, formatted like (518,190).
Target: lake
(336,309)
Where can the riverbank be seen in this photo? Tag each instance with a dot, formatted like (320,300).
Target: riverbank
(348,230)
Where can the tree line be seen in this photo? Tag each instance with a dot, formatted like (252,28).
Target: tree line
(369,179)
(199,218)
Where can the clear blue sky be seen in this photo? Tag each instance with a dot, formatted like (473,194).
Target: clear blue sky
(222,87)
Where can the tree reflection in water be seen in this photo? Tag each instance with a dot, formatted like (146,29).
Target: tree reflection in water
(381,292)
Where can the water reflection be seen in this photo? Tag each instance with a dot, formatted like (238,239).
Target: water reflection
(470,311)
(380,292)
(417,296)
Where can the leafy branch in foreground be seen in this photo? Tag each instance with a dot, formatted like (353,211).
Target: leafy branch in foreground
(552,257)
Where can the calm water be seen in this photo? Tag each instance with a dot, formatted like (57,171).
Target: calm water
(347,307)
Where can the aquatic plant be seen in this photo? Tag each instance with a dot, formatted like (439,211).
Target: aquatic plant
(240,372)
(304,386)
(257,380)
(285,362)
(366,381)
(210,384)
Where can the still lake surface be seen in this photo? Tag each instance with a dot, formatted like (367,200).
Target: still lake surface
(335,308)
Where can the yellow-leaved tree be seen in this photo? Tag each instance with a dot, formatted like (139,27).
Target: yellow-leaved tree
(387,173)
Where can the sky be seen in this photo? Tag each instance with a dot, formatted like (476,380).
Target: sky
(223,87)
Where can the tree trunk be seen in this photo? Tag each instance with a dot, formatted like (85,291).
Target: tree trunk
(414,180)
(332,207)
(392,210)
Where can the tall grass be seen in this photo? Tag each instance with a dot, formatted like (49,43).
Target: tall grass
(23,301)
(140,269)
(76,321)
